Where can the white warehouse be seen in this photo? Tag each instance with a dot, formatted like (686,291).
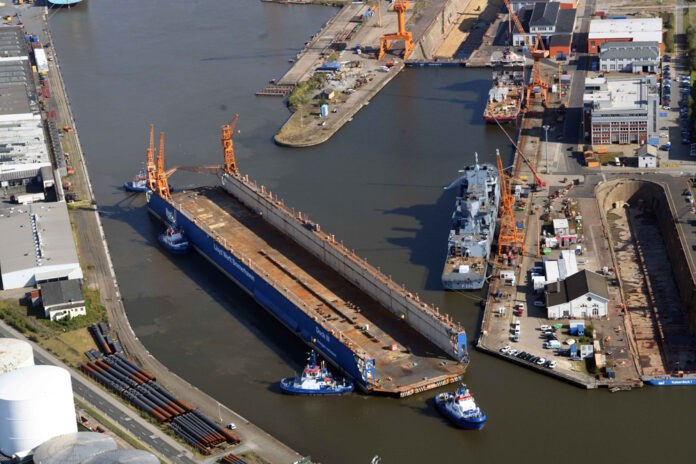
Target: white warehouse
(36,404)
(37,245)
(582,295)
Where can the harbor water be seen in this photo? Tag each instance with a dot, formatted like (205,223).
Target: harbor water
(188,67)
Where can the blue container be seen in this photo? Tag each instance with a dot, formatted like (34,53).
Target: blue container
(594,66)
(564,57)
(34,39)
(324,110)
(617,17)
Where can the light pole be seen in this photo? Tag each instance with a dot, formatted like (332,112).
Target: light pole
(546,129)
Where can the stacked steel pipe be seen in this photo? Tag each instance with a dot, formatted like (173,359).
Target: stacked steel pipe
(139,387)
(232,459)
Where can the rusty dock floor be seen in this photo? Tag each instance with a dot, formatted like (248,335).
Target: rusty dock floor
(405,361)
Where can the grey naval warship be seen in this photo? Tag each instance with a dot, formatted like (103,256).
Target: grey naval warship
(473,227)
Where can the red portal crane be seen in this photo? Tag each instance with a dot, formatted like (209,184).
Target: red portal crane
(400,8)
(230,166)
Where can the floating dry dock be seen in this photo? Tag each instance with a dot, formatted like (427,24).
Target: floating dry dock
(371,328)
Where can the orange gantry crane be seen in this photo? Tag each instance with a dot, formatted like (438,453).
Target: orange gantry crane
(509,236)
(400,7)
(537,85)
(160,176)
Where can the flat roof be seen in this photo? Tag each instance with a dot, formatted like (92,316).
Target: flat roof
(638,29)
(35,236)
(620,94)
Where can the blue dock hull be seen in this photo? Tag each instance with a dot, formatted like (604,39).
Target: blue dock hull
(670,382)
(264,293)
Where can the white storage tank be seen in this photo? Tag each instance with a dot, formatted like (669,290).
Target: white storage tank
(73,448)
(15,353)
(123,456)
(36,404)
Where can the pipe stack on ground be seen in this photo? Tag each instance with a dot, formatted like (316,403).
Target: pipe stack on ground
(232,459)
(139,387)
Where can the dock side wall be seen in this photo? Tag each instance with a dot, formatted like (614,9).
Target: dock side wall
(355,271)
(437,31)
(655,197)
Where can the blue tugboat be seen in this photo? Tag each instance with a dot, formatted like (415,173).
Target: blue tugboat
(315,380)
(174,240)
(461,408)
(138,184)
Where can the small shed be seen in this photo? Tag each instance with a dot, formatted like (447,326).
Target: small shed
(586,351)
(63,298)
(560,226)
(647,156)
(508,277)
(577,328)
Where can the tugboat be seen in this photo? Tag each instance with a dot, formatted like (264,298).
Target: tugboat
(138,184)
(461,408)
(174,240)
(315,380)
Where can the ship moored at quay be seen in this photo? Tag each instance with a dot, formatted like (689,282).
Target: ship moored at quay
(372,329)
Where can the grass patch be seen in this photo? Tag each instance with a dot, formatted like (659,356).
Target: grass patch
(668,30)
(114,429)
(303,94)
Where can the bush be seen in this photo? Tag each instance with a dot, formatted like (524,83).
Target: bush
(669,42)
(590,330)
(301,96)
(34,338)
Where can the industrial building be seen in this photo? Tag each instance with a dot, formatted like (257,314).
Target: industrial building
(624,30)
(73,447)
(581,295)
(634,57)
(517,5)
(37,246)
(36,404)
(647,156)
(549,20)
(621,110)
(15,354)
(63,298)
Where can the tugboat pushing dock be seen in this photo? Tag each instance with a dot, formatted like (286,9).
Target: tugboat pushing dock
(315,380)
(461,408)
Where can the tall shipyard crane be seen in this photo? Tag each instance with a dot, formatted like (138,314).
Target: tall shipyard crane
(150,167)
(160,176)
(508,236)
(536,84)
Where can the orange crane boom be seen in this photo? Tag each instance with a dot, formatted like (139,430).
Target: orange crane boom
(508,236)
(162,186)
(150,167)
(537,84)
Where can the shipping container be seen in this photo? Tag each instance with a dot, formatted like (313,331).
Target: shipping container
(41,61)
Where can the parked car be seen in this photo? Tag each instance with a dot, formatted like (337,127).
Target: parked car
(541,361)
(539,304)
(545,327)
(552,364)
(512,352)
(505,349)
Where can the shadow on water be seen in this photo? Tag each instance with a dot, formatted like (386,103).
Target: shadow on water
(433,229)
(215,284)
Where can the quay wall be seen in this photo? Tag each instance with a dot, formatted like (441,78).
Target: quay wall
(437,328)
(439,28)
(656,197)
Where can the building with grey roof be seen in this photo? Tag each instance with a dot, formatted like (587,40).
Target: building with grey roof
(37,245)
(63,298)
(631,57)
(23,149)
(582,295)
(547,19)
